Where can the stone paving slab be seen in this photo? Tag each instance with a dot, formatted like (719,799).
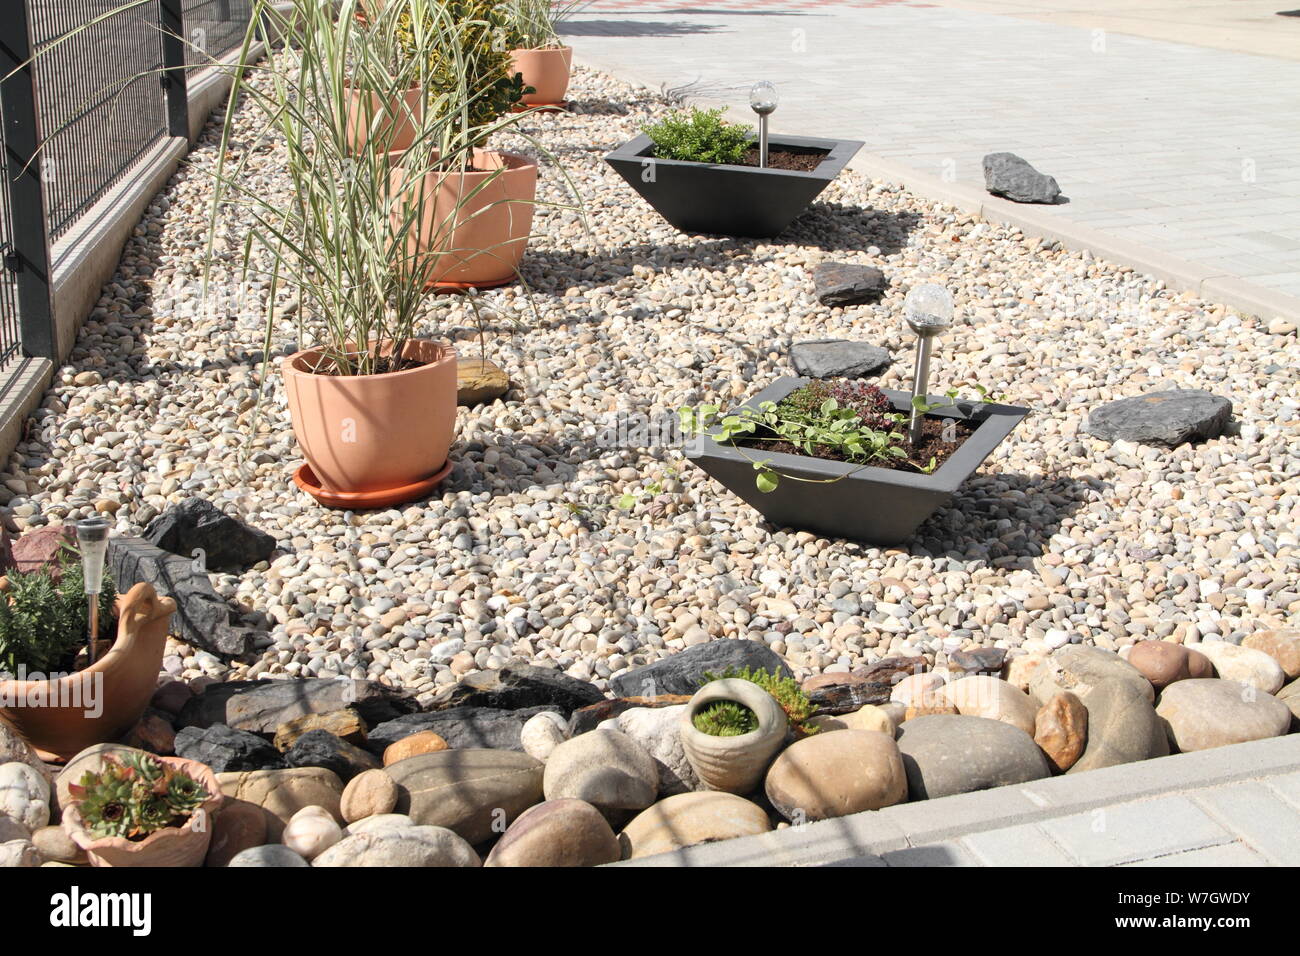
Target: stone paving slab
(1188,153)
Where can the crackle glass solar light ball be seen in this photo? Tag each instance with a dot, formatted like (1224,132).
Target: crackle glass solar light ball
(928,309)
(762,97)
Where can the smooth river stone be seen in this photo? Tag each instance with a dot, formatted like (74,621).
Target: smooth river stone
(689,819)
(1201,714)
(833,774)
(945,754)
(1080,668)
(1164,662)
(565,833)
(1244,664)
(474,793)
(916,685)
(869,717)
(1061,730)
(991,697)
(282,793)
(606,768)
(1122,727)
(1283,645)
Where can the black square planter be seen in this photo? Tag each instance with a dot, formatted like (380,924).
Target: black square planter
(731,200)
(878,505)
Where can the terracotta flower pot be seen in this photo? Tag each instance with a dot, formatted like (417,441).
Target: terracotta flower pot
(374,432)
(185,845)
(547,71)
(734,764)
(61,718)
(481,243)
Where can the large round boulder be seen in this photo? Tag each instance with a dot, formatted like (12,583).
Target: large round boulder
(606,768)
(1122,727)
(557,833)
(1201,714)
(833,774)
(945,754)
(1080,668)
(688,819)
(474,793)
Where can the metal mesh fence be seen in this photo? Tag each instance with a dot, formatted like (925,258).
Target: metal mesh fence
(213,28)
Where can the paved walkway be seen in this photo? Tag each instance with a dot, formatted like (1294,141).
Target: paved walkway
(1234,806)
(1187,151)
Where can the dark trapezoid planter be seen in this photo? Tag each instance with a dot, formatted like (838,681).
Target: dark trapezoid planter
(731,200)
(878,505)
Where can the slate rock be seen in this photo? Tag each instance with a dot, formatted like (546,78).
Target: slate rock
(261,707)
(837,358)
(978,660)
(1167,418)
(320,748)
(683,672)
(844,283)
(224,749)
(831,694)
(346,723)
(517,686)
(1206,713)
(945,754)
(203,618)
(462,728)
(689,819)
(1006,174)
(471,792)
(1122,727)
(198,528)
(417,846)
(564,833)
(592,716)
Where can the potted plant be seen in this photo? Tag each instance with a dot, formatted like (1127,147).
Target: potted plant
(371,393)
(834,458)
(730,731)
(142,810)
(539,56)
(51,694)
(702,174)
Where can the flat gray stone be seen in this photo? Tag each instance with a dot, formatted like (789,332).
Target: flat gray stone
(843,283)
(1006,174)
(1162,418)
(837,358)
(945,754)
(683,672)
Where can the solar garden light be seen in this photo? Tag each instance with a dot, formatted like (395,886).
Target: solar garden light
(92,538)
(762,100)
(928,311)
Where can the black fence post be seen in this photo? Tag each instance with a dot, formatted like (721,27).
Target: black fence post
(173,44)
(28,253)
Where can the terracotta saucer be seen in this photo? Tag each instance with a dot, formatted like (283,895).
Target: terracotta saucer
(450,285)
(306,479)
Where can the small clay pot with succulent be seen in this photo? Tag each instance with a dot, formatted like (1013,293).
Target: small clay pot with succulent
(730,731)
(142,810)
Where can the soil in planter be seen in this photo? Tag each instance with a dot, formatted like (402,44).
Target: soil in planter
(784,159)
(931,445)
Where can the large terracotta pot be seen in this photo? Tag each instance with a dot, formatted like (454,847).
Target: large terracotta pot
(481,243)
(61,718)
(374,432)
(734,764)
(547,71)
(185,845)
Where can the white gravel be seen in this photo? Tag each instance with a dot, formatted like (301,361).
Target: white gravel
(1060,537)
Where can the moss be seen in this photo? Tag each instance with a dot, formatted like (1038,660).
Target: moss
(786,690)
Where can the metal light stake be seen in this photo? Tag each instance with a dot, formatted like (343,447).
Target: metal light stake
(927,311)
(762,100)
(92,539)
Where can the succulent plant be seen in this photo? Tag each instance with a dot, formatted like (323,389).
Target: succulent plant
(136,796)
(798,708)
(725,718)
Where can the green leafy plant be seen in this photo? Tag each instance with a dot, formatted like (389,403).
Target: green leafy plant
(135,796)
(44,616)
(465,47)
(726,718)
(699,136)
(798,708)
(534,24)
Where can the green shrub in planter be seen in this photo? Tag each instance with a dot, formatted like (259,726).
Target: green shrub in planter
(44,617)
(699,136)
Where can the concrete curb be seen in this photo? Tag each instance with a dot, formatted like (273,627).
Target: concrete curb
(1179,274)
(862,838)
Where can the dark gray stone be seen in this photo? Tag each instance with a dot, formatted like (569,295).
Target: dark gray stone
(463,728)
(683,672)
(945,754)
(320,748)
(978,660)
(225,749)
(260,707)
(198,529)
(1006,174)
(1162,418)
(837,358)
(841,283)
(1123,727)
(521,685)
(203,619)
